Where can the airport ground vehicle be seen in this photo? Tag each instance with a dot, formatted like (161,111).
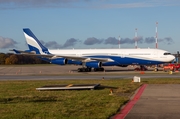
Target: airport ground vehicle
(171,67)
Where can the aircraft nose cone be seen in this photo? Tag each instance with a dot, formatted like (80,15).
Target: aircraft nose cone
(172,58)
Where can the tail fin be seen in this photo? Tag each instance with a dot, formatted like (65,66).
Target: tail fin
(33,43)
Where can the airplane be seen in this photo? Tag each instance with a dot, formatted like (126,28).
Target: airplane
(94,58)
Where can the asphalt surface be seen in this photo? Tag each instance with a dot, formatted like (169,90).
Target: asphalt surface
(52,69)
(74,77)
(55,72)
(158,101)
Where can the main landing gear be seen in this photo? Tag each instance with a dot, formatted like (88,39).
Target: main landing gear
(141,68)
(84,69)
(98,69)
(155,69)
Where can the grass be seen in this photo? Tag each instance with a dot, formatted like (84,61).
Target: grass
(20,99)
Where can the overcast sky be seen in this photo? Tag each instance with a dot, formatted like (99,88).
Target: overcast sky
(60,24)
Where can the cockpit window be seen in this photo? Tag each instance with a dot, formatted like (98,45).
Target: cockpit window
(167,53)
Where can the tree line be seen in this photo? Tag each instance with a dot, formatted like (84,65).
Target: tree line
(11,59)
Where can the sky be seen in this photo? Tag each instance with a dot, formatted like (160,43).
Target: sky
(89,24)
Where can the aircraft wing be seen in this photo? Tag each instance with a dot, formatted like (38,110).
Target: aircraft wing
(102,59)
(85,59)
(52,56)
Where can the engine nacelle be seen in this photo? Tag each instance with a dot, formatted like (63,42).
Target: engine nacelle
(74,62)
(59,61)
(94,64)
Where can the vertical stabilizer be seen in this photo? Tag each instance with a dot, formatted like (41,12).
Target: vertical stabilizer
(33,43)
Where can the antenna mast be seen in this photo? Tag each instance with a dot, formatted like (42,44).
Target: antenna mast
(119,42)
(136,38)
(156,34)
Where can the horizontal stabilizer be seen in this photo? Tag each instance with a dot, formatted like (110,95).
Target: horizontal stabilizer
(23,52)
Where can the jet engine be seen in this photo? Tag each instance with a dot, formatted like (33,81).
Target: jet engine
(59,61)
(94,64)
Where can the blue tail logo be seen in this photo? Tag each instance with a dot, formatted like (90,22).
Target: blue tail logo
(33,43)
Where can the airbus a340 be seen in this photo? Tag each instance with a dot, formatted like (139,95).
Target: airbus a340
(94,58)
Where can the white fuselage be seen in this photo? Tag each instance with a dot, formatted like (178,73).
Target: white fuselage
(155,55)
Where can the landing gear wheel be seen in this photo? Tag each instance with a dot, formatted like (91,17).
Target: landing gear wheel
(156,69)
(84,69)
(98,69)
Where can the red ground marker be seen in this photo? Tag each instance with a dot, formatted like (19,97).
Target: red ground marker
(130,104)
